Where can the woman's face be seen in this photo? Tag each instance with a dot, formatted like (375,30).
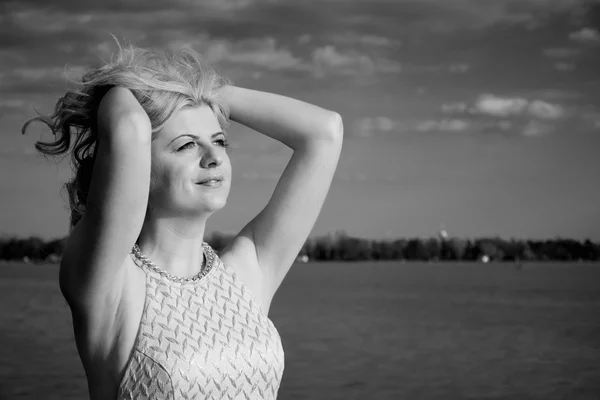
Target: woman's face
(189,149)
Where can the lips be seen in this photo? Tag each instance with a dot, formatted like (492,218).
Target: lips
(217,178)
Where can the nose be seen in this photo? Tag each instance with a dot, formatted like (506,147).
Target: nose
(211,158)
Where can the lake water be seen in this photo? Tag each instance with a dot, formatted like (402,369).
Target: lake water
(366,331)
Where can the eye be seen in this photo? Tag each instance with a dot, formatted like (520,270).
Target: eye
(223,142)
(186,146)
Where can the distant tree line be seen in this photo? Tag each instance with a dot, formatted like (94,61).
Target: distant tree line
(341,247)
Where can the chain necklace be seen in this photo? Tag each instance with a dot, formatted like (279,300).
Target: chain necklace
(208,252)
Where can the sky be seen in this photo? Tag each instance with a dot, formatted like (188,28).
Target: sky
(480,117)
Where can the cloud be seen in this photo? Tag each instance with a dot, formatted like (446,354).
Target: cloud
(243,32)
(536,129)
(451,68)
(266,53)
(328,59)
(369,126)
(353,38)
(561,52)
(531,117)
(377,24)
(458,68)
(347,15)
(262,52)
(444,125)
(503,125)
(497,106)
(49,73)
(457,107)
(40,79)
(585,35)
(492,113)
(564,66)
(527,128)
(552,95)
(447,17)
(304,38)
(544,110)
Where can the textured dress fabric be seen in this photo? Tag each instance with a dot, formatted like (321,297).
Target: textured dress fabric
(207,339)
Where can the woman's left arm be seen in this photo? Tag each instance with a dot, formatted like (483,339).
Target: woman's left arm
(315,135)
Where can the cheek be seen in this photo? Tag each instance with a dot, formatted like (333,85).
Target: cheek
(229,167)
(159,177)
(155,175)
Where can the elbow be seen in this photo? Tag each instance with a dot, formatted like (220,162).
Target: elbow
(335,127)
(129,130)
(140,127)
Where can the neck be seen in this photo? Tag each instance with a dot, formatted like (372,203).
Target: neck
(174,244)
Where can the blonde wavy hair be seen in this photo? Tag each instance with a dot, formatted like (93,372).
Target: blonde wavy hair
(163,83)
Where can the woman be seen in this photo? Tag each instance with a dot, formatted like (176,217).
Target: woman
(156,313)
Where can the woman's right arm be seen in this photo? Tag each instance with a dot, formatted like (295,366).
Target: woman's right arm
(91,269)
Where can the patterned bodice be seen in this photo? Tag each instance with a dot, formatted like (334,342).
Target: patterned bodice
(204,340)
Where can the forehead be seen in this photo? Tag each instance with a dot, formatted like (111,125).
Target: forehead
(197,120)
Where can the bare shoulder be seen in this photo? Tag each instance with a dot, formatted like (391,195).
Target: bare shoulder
(240,256)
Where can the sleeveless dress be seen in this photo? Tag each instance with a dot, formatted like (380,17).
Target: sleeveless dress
(207,339)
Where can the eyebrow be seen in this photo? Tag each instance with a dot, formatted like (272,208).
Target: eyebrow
(214,135)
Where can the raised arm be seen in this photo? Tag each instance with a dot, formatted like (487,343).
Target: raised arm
(91,269)
(280,230)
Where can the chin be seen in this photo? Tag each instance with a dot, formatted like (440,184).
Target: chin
(214,204)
